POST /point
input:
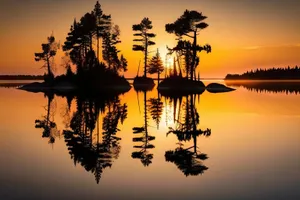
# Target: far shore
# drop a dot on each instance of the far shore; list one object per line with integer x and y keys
{"x": 14, "y": 78}
{"x": 263, "y": 80}
{"x": 41, "y": 78}
{"x": 21, "y": 77}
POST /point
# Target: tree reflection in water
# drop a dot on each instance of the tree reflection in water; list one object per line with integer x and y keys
{"x": 95, "y": 148}
{"x": 144, "y": 138}
{"x": 155, "y": 106}
{"x": 95, "y": 155}
{"x": 47, "y": 121}
{"x": 189, "y": 160}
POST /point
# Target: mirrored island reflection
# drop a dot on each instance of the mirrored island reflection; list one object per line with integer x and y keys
{"x": 92, "y": 124}
{"x": 47, "y": 122}
{"x": 92, "y": 145}
{"x": 269, "y": 86}
{"x": 142, "y": 138}
{"x": 84, "y": 144}
{"x": 188, "y": 159}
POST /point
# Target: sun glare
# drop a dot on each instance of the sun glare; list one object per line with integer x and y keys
{"x": 166, "y": 59}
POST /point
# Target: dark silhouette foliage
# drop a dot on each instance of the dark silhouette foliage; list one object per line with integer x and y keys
{"x": 143, "y": 153}
{"x": 187, "y": 121}
{"x": 47, "y": 122}
{"x": 287, "y": 73}
{"x": 80, "y": 54}
{"x": 184, "y": 52}
{"x": 21, "y": 77}
{"x": 155, "y": 106}
{"x": 95, "y": 155}
{"x": 145, "y": 38}
{"x": 156, "y": 65}
{"x": 90, "y": 72}
{"x": 49, "y": 50}
{"x": 110, "y": 51}
{"x": 189, "y": 24}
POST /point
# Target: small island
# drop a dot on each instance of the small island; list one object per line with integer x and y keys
{"x": 87, "y": 70}
{"x": 182, "y": 79}
{"x": 143, "y": 38}
{"x": 91, "y": 74}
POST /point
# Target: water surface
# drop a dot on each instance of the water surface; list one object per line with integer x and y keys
{"x": 89, "y": 150}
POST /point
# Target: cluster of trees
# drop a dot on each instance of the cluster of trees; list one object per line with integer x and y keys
{"x": 186, "y": 28}
{"x": 95, "y": 26}
{"x": 82, "y": 132}
{"x": 268, "y": 74}
{"x": 96, "y": 145}
{"x": 143, "y": 40}
{"x": 188, "y": 25}
{"x": 80, "y": 50}
{"x": 83, "y": 138}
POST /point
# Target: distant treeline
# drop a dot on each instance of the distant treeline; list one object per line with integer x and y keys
{"x": 21, "y": 77}
{"x": 268, "y": 74}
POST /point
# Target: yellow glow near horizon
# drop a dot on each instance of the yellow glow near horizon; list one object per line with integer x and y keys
{"x": 167, "y": 60}
{"x": 232, "y": 46}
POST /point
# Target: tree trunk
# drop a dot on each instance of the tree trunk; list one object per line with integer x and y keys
{"x": 187, "y": 64}
{"x": 48, "y": 66}
{"x": 91, "y": 42}
{"x": 85, "y": 50}
{"x": 194, "y": 55}
{"x": 179, "y": 66}
{"x": 98, "y": 48}
{"x": 146, "y": 55}
{"x": 195, "y": 143}
{"x": 145, "y": 113}
{"x": 98, "y": 42}
{"x": 48, "y": 113}
{"x": 158, "y": 77}
{"x": 91, "y": 115}
{"x": 187, "y": 113}
{"x": 98, "y": 118}
{"x": 194, "y": 128}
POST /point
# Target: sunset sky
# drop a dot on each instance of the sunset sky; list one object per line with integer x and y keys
{"x": 244, "y": 34}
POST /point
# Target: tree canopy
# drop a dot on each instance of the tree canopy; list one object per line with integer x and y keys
{"x": 49, "y": 50}
{"x": 156, "y": 65}
{"x": 95, "y": 25}
{"x": 188, "y": 25}
{"x": 143, "y": 36}
{"x": 189, "y": 22}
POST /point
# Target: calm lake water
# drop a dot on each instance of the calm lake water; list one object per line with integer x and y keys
{"x": 243, "y": 144}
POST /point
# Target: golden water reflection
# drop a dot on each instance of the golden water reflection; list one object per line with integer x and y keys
{"x": 247, "y": 139}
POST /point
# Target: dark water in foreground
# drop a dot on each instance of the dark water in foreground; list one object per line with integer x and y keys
{"x": 239, "y": 145}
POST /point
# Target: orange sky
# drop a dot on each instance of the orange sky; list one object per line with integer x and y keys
{"x": 244, "y": 34}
